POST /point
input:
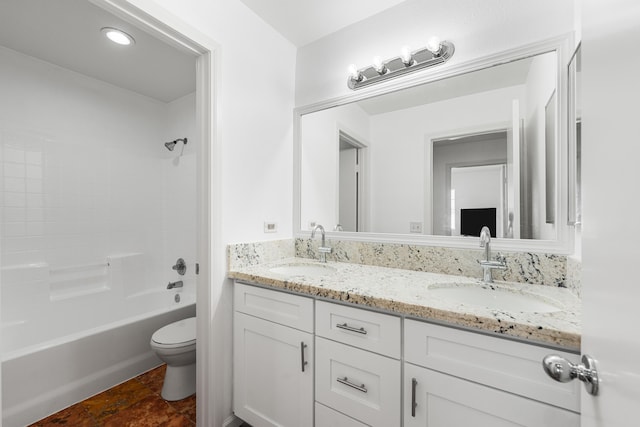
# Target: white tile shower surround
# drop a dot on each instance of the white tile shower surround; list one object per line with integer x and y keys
{"x": 85, "y": 176}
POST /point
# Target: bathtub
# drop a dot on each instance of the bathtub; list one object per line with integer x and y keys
{"x": 78, "y": 344}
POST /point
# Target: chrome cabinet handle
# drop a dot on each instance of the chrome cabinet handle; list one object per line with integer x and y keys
{"x": 302, "y": 361}
{"x": 414, "y": 384}
{"x": 351, "y": 328}
{"x": 560, "y": 369}
{"x": 346, "y": 382}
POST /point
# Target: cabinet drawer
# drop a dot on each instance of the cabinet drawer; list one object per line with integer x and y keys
{"x": 327, "y": 417}
{"x": 501, "y": 363}
{"x": 280, "y": 307}
{"x": 360, "y": 384}
{"x": 369, "y": 330}
{"x": 443, "y": 401}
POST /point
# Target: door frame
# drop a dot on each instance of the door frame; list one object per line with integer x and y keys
{"x": 210, "y": 253}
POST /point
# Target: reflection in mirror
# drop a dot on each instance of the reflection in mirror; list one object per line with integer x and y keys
{"x": 349, "y": 183}
{"x": 437, "y": 157}
{"x": 469, "y": 177}
{"x": 550, "y": 157}
{"x": 575, "y": 133}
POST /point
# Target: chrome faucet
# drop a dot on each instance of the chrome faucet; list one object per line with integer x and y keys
{"x": 487, "y": 264}
{"x": 324, "y": 250}
{"x": 177, "y": 284}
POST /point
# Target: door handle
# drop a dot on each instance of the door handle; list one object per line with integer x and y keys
{"x": 302, "y": 361}
{"x": 346, "y": 382}
{"x": 351, "y": 328}
{"x": 562, "y": 370}
{"x": 414, "y": 384}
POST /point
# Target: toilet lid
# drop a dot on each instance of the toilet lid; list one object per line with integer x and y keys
{"x": 180, "y": 332}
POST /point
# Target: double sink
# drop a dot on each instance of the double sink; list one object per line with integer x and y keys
{"x": 493, "y": 296}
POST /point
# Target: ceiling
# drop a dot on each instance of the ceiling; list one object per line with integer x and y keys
{"x": 67, "y": 33}
{"x": 305, "y": 21}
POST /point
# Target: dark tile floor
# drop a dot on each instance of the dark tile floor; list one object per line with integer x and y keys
{"x": 135, "y": 403}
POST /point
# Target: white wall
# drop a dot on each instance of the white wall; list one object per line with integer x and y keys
{"x": 320, "y": 155}
{"x": 256, "y": 80}
{"x": 477, "y": 29}
{"x": 466, "y": 182}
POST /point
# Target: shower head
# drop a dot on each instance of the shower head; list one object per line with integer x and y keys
{"x": 172, "y": 144}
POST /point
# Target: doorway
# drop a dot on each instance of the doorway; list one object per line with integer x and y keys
{"x": 350, "y": 183}
{"x": 470, "y": 172}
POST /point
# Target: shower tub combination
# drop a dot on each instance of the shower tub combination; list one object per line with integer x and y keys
{"x": 70, "y": 333}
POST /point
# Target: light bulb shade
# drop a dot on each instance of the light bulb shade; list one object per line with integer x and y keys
{"x": 378, "y": 65}
{"x": 406, "y": 55}
{"x": 434, "y": 45}
{"x": 117, "y": 36}
{"x": 353, "y": 72}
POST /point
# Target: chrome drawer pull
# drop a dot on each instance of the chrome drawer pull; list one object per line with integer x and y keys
{"x": 302, "y": 361}
{"x": 414, "y": 383}
{"x": 351, "y": 328}
{"x": 346, "y": 381}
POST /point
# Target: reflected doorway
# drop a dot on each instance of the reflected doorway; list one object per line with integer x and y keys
{"x": 471, "y": 178}
{"x": 350, "y": 180}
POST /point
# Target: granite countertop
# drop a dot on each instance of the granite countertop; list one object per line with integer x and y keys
{"x": 415, "y": 294}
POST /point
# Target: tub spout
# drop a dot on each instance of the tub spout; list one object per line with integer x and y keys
{"x": 177, "y": 284}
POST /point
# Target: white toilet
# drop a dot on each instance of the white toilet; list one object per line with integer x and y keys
{"x": 175, "y": 344}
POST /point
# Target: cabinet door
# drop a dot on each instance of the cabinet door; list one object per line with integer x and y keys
{"x": 445, "y": 401}
{"x": 273, "y": 373}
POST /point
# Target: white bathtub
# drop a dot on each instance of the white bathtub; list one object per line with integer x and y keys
{"x": 59, "y": 353}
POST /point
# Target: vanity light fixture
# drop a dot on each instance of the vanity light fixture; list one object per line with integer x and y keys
{"x": 118, "y": 36}
{"x": 436, "y": 52}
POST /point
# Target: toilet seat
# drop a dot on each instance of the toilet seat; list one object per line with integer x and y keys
{"x": 176, "y": 335}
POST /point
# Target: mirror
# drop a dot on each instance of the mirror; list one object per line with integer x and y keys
{"x": 440, "y": 158}
{"x": 574, "y": 133}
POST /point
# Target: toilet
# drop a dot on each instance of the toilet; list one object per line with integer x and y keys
{"x": 175, "y": 344}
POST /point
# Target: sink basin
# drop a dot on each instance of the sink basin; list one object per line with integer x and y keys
{"x": 303, "y": 270}
{"x": 495, "y": 298}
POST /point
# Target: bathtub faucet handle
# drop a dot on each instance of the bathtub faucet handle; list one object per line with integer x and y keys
{"x": 180, "y": 267}
{"x": 177, "y": 284}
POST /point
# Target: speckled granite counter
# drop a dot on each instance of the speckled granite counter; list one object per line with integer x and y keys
{"x": 415, "y": 294}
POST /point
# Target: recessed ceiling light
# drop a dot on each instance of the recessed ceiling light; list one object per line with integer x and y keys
{"x": 118, "y": 36}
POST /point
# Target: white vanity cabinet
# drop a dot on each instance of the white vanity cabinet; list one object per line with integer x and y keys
{"x": 454, "y": 377}
{"x": 358, "y": 367}
{"x": 273, "y": 357}
{"x": 301, "y": 362}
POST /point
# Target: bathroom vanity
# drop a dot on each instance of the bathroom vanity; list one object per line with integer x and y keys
{"x": 349, "y": 345}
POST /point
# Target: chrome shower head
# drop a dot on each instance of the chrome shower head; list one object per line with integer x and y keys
{"x": 172, "y": 144}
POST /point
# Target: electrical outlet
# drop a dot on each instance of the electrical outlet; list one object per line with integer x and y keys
{"x": 270, "y": 227}
{"x": 415, "y": 227}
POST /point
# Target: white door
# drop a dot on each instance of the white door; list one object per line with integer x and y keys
{"x": 611, "y": 208}
{"x": 348, "y": 189}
